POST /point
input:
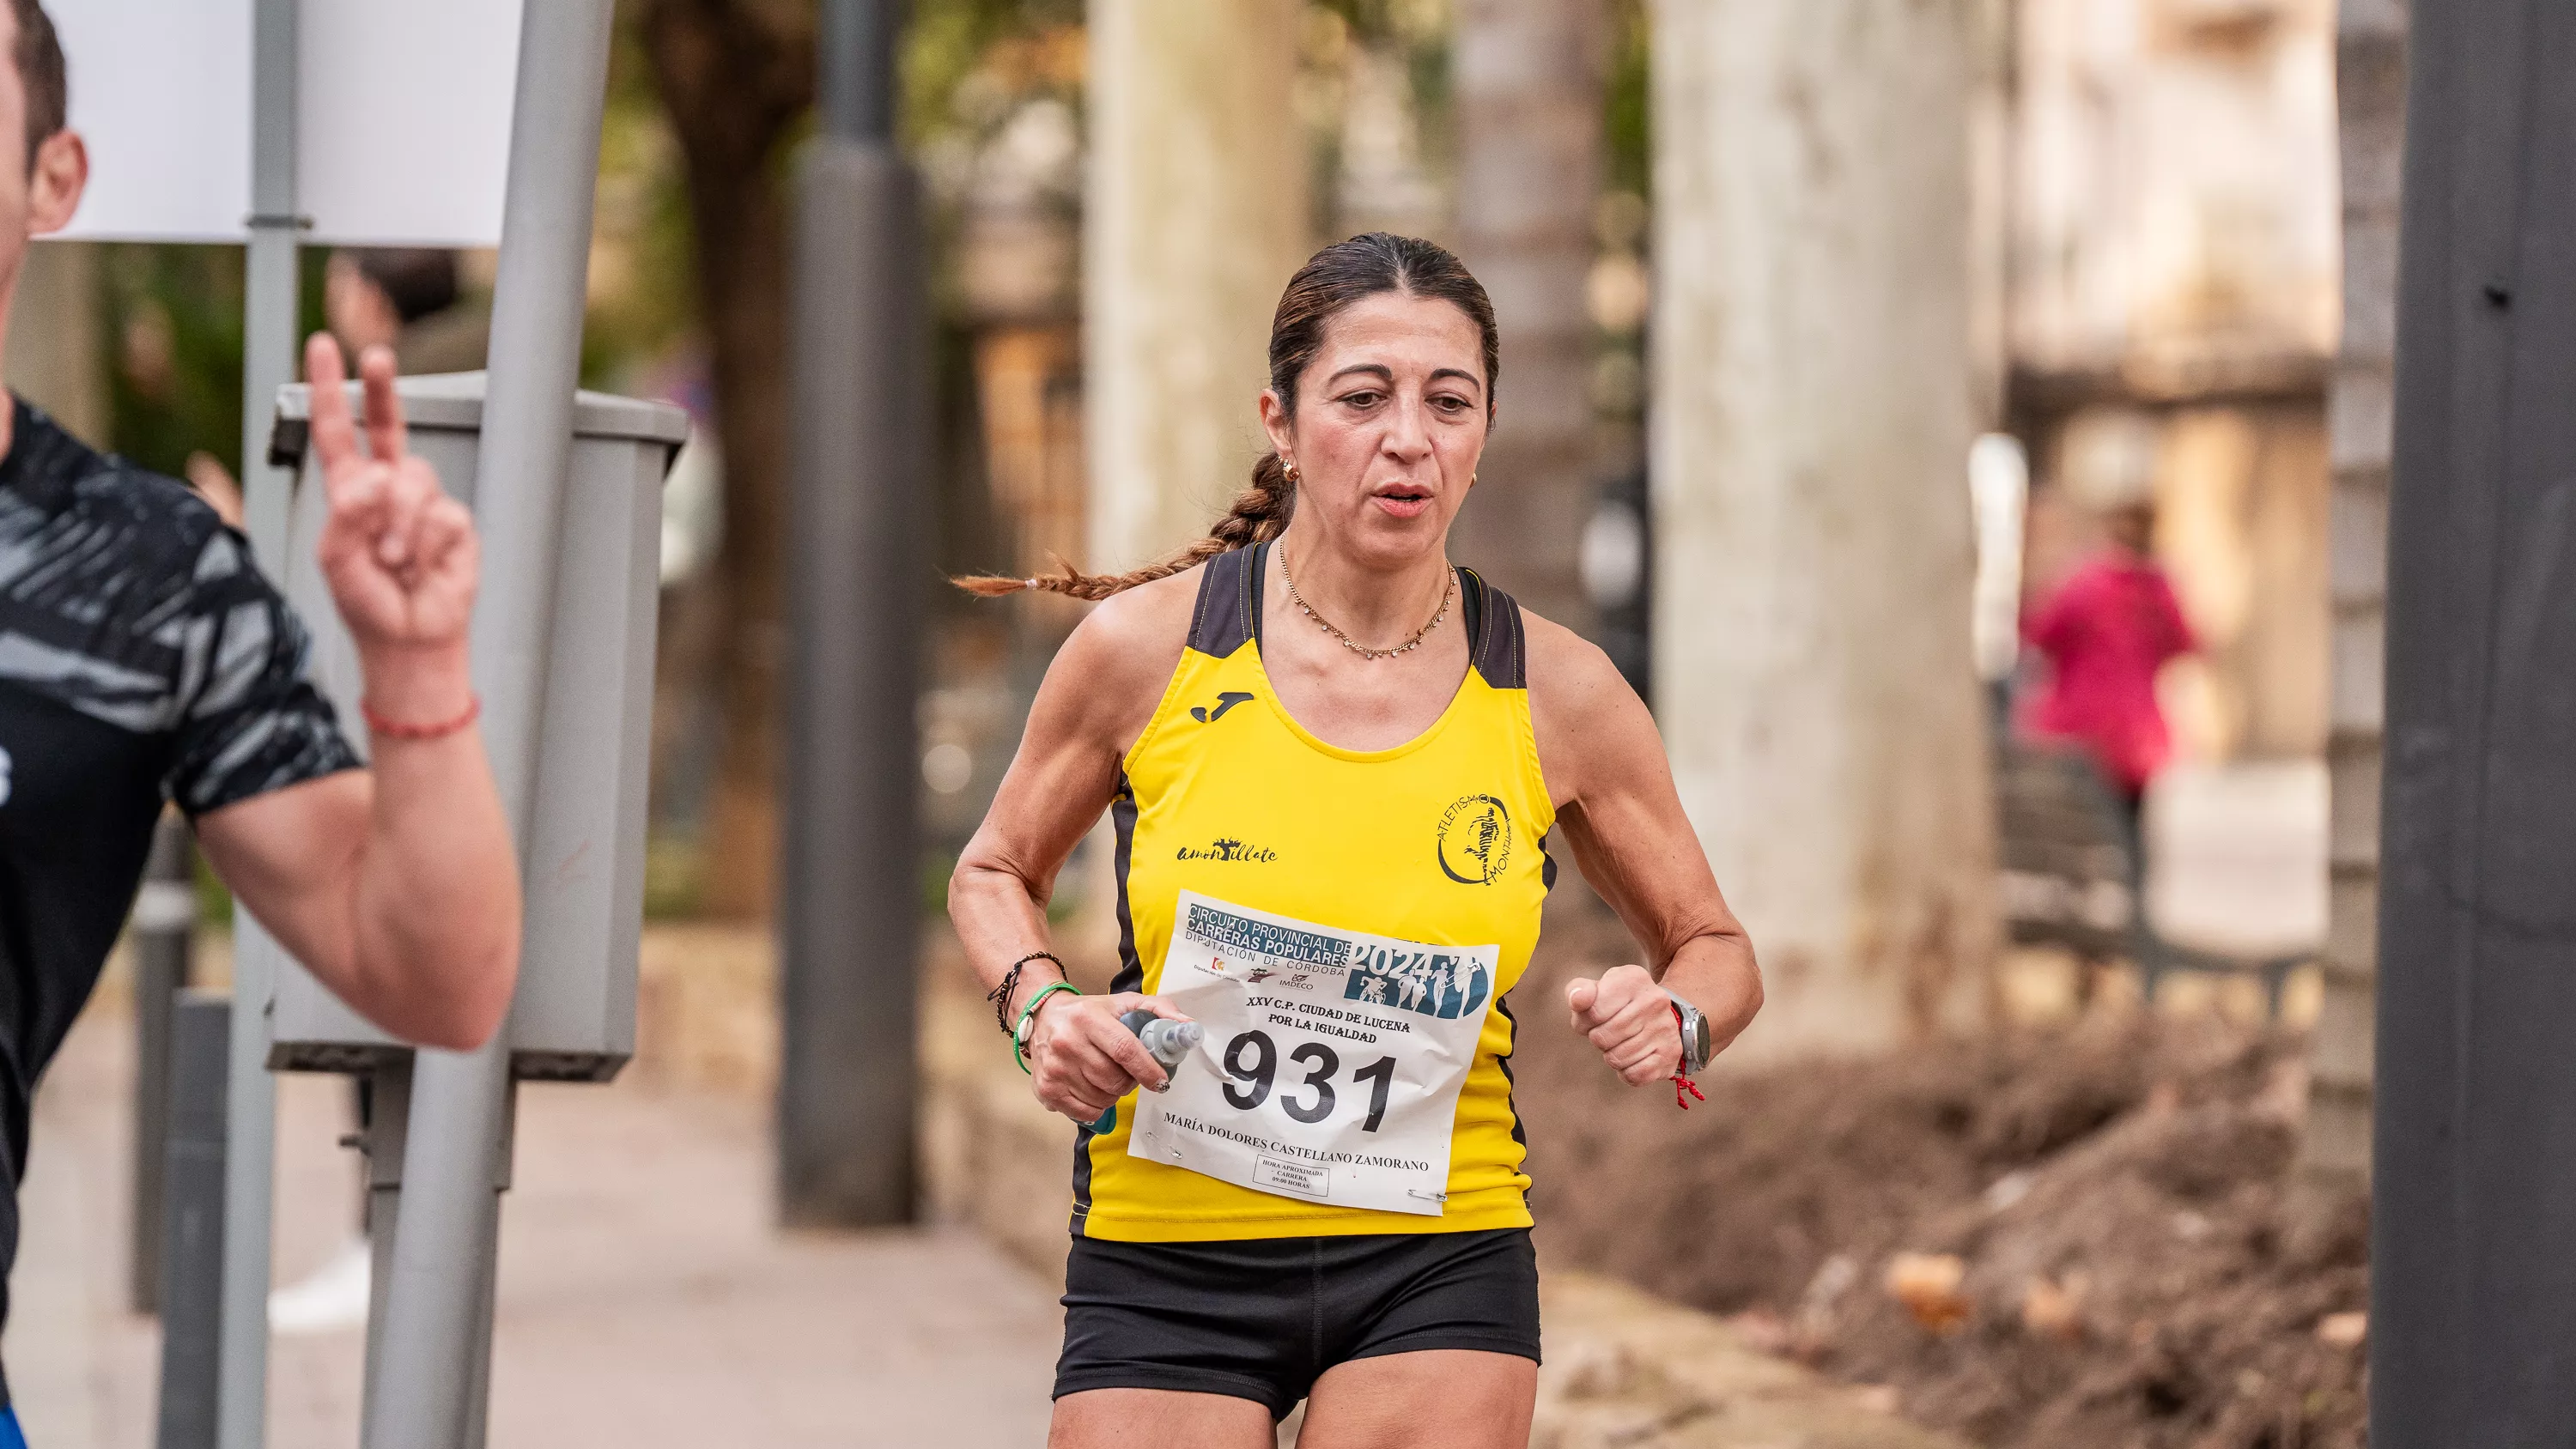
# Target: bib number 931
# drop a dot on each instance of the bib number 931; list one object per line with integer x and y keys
{"x": 1252, "y": 1059}
{"x": 1333, "y": 1059}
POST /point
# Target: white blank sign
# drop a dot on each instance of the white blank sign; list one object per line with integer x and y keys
{"x": 403, "y": 118}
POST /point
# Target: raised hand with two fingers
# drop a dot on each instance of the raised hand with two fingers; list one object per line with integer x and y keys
{"x": 400, "y": 556}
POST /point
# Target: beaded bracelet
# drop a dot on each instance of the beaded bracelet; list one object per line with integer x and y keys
{"x": 1028, "y": 1014}
{"x": 1001, "y": 995}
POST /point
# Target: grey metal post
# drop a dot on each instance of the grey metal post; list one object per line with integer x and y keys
{"x": 2473, "y": 1224}
{"x": 193, "y": 1228}
{"x": 445, "y": 1243}
{"x": 269, "y": 326}
{"x": 857, "y": 573}
{"x": 165, "y": 915}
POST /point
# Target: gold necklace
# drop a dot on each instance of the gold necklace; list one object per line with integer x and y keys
{"x": 1447, "y": 593}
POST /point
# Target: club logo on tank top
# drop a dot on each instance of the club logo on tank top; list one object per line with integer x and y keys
{"x": 1475, "y": 840}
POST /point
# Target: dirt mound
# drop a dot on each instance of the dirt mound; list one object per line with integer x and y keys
{"x": 2093, "y": 1215}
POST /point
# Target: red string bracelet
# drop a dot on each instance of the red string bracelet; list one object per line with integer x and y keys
{"x": 397, "y": 729}
{"x": 1681, "y": 1081}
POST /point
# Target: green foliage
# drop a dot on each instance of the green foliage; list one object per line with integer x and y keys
{"x": 643, "y": 299}
{"x": 1628, "y": 113}
{"x": 172, "y": 320}
{"x": 950, "y": 41}
{"x": 675, "y": 876}
{"x": 1408, "y": 22}
{"x": 214, "y": 902}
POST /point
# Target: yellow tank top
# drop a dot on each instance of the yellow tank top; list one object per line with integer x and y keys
{"x": 1437, "y": 841}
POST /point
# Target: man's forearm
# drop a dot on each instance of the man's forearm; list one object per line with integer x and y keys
{"x": 438, "y": 884}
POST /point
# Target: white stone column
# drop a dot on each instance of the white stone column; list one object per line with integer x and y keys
{"x": 1812, "y": 416}
{"x": 1195, "y": 215}
{"x": 2334, "y": 1157}
{"x": 1527, "y": 82}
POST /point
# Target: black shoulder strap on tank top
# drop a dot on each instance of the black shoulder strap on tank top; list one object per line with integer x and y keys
{"x": 1496, "y": 646}
{"x": 1229, "y": 613}
{"x": 1229, "y": 609}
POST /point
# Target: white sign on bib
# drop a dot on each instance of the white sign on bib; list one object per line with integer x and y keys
{"x": 1332, "y": 1063}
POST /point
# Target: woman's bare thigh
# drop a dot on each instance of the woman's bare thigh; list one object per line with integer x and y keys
{"x": 1441, "y": 1398}
{"x": 1158, "y": 1419}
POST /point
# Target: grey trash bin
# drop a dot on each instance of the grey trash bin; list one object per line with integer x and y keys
{"x": 574, "y": 1017}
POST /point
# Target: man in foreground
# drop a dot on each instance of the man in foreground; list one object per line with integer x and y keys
{"x": 143, "y": 657}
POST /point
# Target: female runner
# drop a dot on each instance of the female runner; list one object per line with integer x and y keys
{"x": 1335, "y": 762}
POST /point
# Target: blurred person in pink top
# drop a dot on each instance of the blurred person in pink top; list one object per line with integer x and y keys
{"x": 2106, "y": 631}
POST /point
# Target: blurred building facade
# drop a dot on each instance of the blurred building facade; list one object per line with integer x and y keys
{"x": 2172, "y": 257}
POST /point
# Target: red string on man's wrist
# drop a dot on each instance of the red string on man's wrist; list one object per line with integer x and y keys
{"x": 1683, "y": 1084}
{"x": 438, "y": 729}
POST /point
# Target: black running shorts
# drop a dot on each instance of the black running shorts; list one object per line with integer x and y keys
{"x": 1262, "y": 1318}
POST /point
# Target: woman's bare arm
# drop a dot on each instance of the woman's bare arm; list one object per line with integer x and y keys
{"x": 1097, "y": 698}
{"x": 1613, "y": 788}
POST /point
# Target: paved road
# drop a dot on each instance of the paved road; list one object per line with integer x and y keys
{"x": 645, "y": 1300}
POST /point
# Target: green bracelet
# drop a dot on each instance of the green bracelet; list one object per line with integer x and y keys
{"x": 1028, "y": 1014}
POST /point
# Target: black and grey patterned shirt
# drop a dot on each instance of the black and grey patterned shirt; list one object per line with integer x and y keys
{"x": 142, "y": 658}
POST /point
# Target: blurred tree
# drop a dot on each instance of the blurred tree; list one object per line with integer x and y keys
{"x": 737, "y": 80}
{"x": 171, "y": 325}
{"x": 1812, "y": 422}
{"x": 1195, "y": 215}
{"x": 173, "y": 328}
{"x": 1627, "y": 102}
{"x": 1529, "y": 118}
{"x": 643, "y": 309}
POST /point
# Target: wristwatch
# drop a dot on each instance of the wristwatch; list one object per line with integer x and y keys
{"x": 1695, "y": 1041}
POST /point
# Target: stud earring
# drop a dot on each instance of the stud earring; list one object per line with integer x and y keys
{"x": 1290, "y": 469}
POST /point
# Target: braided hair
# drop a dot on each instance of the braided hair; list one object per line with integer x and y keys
{"x": 1333, "y": 279}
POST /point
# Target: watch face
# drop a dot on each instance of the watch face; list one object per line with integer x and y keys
{"x": 1699, "y": 1036}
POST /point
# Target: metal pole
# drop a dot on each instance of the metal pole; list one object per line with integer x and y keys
{"x": 270, "y": 320}
{"x": 445, "y": 1241}
{"x": 851, "y": 895}
{"x": 165, "y": 914}
{"x": 193, "y": 1229}
{"x": 269, "y": 326}
{"x": 2473, "y": 1220}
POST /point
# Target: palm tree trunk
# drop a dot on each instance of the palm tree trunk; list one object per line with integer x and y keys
{"x": 1529, "y": 126}
{"x": 1812, "y": 414}
{"x": 1195, "y": 217}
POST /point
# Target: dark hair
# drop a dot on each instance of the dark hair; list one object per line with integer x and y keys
{"x": 1332, "y": 280}
{"x": 418, "y": 281}
{"x": 38, "y": 55}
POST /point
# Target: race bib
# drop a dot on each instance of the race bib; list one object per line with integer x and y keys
{"x": 1332, "y": 1062}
